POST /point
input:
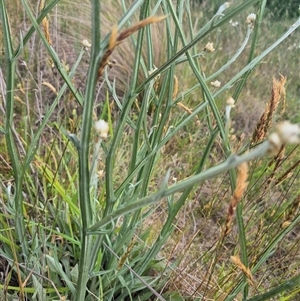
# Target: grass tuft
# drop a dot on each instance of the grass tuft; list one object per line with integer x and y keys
{"x": 117, "y": 159}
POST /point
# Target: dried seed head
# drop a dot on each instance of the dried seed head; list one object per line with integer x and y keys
{"x": 209, "y": 47}
{"x": 101, "y": 128}
{"x": 216, "y": 84}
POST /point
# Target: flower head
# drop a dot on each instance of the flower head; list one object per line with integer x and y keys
{"x": 288, "y": 132}
{"x": 101, "y": 128}
{"x": 230, "y": 102}
{"x": 251, "y": 19}
{"x": 209, "y": 47}
{"x": 216, "y": 84}
{"x": 86, "y": 44}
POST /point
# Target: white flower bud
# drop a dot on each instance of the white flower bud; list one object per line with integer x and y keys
{"x": 101, "y": 128}
{"x": 85, "y": 43}
{"x": 230, "y": 102}
{"x": 288, "y": 132}
{"x": 250, "y": 19}
{"x": 209, "y": 47}
{"x": 216, "y": 84}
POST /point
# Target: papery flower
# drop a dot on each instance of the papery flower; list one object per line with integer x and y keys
{"x": 250, "y": 18}
{"x": 230, "y": 102}
{"x": 209, "y": 47}
{"x": 216, "y": 84}
{"x": 285, "y": 133}
{"x": 288, "y": 132}
{"x": 101, "y": 128}
{"x": 85, "y": 43}
{"x": 229, "y": 105}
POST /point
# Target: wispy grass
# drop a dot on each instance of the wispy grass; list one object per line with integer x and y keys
{"x": 147, "y": 205}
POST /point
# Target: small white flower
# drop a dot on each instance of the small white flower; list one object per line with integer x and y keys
{"x": 288, "y": 132}
{"x": 229, "y": 105}
{"x": 209, "y": 47}
{"x": 101, "y": 128}
{"x": 230, "y": 102}
{"x": 251, "y": 19}
{"x": 85, "y": 43}
{"x": 216, "y": 84}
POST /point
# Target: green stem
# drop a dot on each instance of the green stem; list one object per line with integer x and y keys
{"x": 83, "y": 153}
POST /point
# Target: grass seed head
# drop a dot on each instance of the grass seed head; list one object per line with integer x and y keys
{"x": 238, "y": 263}
{"x": 241, "y": 186}
{"x": 116, "y": 39}
{"x": 265, "y": 121}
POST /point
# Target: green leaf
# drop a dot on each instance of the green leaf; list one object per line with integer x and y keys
{"x": 55, "y": 266}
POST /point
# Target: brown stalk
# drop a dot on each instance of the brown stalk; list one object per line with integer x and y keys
{"x": 241, "y": 185}
{"x": 265, "y": 121}
{"x": 116, "y": 39}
